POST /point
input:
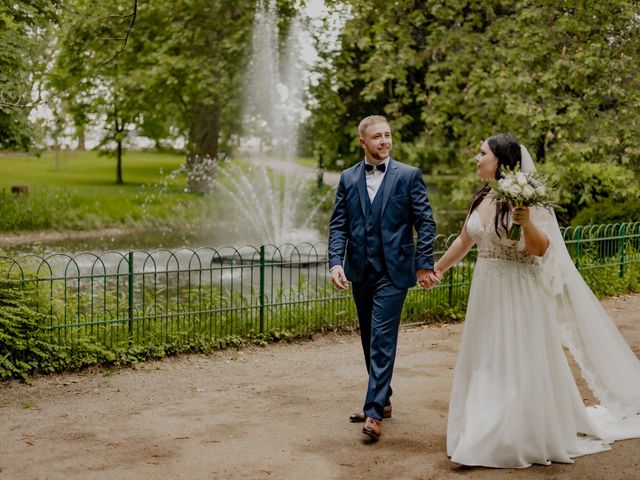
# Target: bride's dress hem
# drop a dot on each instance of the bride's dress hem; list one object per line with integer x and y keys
{"x": 597, "y": 446}
{"x": 518, "y": 467}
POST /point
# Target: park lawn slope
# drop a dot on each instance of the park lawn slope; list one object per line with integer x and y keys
{"x": 77, "y": 191}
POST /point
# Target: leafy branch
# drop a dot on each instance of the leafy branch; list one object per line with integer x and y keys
{"x": 17, "y": 104}
{"x": 133, "y": 15}
{"x": 124, "y": 39}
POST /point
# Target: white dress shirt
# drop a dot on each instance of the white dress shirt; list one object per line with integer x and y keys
{"x": 374, "y": 179}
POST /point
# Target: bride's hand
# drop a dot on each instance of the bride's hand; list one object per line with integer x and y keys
{"x": 521, "y": 216}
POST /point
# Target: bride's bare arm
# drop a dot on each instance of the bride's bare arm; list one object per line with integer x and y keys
{"x": 456, "y": 252}
{"x": 534, "y": 239}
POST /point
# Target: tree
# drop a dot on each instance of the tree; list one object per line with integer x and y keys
{"x": 91, "y": 72}
{"x": 181, "y": 72}
{"x": 191, "y": 56}
{"x": 562, "y": 76}
{"x": 23, "y": 41}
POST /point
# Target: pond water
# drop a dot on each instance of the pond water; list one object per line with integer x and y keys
{"x": 125, "y": 242}
{"x": 217, "y": 237}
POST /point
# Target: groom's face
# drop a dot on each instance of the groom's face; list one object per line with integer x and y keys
{"x": 377, "y": 142}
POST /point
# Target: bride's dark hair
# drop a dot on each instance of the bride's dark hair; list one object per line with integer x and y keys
{"x": 507, "y": 150}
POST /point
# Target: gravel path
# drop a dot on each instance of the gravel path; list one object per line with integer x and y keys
{"x": 275, "y": 412}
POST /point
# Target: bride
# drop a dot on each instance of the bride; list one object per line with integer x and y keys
{"x": 514, "y": 401}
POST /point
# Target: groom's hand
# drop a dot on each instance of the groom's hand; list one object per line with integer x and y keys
{"x": 338, "y": 278}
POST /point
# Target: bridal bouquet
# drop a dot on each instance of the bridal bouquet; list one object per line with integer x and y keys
{"x": 521, "y": 189}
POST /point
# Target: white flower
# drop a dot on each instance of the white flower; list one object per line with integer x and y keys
{"x": 515, "y": 190}
{"x": 541, "y": 190}
{"x": 506, "y": 182}
{"x": 521, "y": 178}
{"x": 534, "y": 182}
{"x": 528, "y": 191}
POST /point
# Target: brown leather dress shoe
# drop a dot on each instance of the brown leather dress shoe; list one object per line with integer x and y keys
{"x": 360, "y": 417}
{"x": 372, "y": 428}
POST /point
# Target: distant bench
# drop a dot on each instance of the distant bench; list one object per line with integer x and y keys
{"x": 19, "y": 189}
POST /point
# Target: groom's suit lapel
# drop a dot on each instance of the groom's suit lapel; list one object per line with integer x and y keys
{"x": 361, "y": 183}
{"x": 390, "y": 181}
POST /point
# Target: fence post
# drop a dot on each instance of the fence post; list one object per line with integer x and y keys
{"x": 131, "y": 280}
{"x": 623, "y": 233}
{"x": 261, "y": 299}
{"x": 451, "y": 271}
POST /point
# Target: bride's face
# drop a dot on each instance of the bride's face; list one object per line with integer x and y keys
{"x": 486, "y": 163}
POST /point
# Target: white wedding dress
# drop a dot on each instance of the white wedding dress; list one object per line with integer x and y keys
{"x": 514, "y": 401}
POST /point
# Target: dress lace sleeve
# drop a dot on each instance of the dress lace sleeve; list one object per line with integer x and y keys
{"x": 556, "y": 254}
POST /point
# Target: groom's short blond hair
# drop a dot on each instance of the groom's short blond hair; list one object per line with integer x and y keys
{"x": 368, "y": 121}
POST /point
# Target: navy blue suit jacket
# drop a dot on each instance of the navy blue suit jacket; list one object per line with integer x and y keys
{"x": 405, "y": 206}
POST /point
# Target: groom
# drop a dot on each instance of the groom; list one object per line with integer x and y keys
{"x": 378, "y": 204}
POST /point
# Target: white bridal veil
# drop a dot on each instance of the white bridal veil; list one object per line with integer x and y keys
{"x": 609, "y": 366}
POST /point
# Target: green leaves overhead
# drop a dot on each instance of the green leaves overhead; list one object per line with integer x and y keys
{"x": 23, "y": 41}
{"x": 561, "y": 76}
{"x": 180, "y": 73}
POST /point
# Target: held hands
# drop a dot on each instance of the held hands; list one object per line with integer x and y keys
{"x": 426, "y": 278}
{"x": 429, "y": 278}
{"x": 338, "y": 278}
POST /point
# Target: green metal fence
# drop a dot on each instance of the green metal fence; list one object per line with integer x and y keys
{"x": 191, "y": 296}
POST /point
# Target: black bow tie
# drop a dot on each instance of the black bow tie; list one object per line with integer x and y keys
{"x": 369, "y": 168}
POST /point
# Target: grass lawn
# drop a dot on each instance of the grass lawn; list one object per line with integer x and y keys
{"x": 81, "y": 169}
{"x": 77, "y": 191}
{"x": 310, "y": 162}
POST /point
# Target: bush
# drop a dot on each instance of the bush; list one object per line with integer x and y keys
{"x": 583, "y": 185}
{"x": 33, "y": 211}
{"x": 608, "y": 211}
{"x": 22, "y": 347}
{"x": 604, "y": 275}
{"x": 82, "y": 209}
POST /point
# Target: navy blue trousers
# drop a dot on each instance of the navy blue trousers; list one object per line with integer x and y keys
{"x": 379, "y": 305}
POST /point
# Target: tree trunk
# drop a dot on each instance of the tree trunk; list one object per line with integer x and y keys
{"x": 56, "y": 148}
{"x": 203, "y": 148}
{"x": 541, "y": 150}
{"x": 119, "y": 128}
{"x": 81, "y": 140}
{"x": 119, "y": 163}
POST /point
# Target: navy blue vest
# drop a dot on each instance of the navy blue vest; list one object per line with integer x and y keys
{"x": 373, "y": 215}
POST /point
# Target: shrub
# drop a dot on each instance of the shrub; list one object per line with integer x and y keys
{"x": 608, "y": 211}
{"x": 22, "y": 347}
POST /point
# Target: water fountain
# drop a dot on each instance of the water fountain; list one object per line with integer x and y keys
{"x": 269, "y": 209}
{"x": 273, "y": 210}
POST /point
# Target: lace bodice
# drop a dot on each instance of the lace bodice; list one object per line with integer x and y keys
{"x": 490, "y": 245}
